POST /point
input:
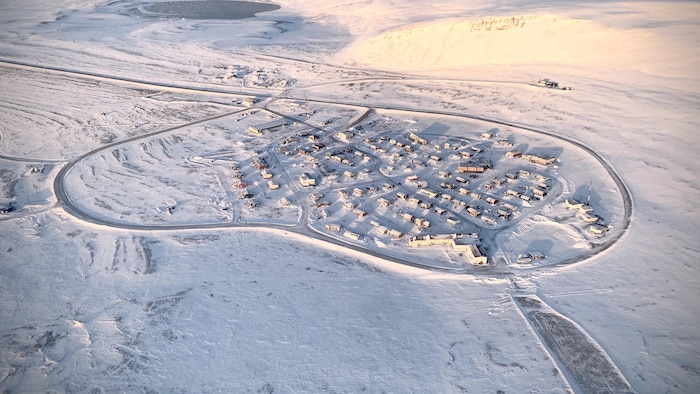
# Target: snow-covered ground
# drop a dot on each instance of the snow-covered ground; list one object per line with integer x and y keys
{"x": 90, "y": 308}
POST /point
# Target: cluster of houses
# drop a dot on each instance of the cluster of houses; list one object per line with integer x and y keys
{"x": 447, "y": 208}
{"x": 380, "y": 229}
{"x": 596, "y": 225}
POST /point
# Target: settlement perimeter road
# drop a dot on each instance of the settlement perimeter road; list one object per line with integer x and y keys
{"x": 302, "y": 228}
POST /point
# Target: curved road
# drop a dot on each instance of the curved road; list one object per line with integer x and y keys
{"x": 302, "y": 228}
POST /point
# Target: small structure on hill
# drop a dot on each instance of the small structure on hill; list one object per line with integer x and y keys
{"x": 548, "y": 83}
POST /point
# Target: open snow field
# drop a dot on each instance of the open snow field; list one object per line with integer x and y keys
{"x": 117, "y": 118}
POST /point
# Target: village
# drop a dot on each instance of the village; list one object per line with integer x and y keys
{"x": 389, "y": 186}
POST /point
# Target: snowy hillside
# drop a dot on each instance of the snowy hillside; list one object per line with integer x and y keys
{"x": 129, "y": 262}
{"x": 534, "y": 40}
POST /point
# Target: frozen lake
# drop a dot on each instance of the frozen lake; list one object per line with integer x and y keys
{"x": 209, "y": 9}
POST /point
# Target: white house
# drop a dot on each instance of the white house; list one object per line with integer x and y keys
{"x": 269, "y": 126}
{"x": 306, "y": 180}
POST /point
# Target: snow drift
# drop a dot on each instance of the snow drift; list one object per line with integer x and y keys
{"x": 527, "y": 39}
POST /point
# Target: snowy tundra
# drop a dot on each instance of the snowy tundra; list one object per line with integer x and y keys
{"x": 90, "y": 307}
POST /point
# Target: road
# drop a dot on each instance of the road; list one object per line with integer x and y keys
{"x": 72, "y": 208}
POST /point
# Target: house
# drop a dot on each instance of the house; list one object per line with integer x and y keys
{"x": 537, "y": 255}
{"x": 585, "y": 209}
{"x": 511, "y": 192}
{"x": 344, "y": 136}
{"x": 453, "y": 221}
{"x": 428, "y": 192}
{"x": 475, "y": 255}
{"x": 473, "y": 211}
{"x": 523, "y": 258}
{"x": 306, "y": 180}
{"x": 502, "y": 213}
{"x": 351, "y": 235}
{"x": 260, "y": 163}
{"x": 513, "y": 153}
{"x": 269, "y": 126}
{"x": 491, "y": 200}
{"x": 572, "y": 204}
{"x": 597, "y": 229}
{"x": 395, "y": 234}
{"x": 360, "y": 213}
{"x": 500, "y": 181}
{"x": 272, "y": 185}
{"x": 504, "y": 143}
{"x": 510, "y": 207}
{"x": 431, "y": 240}
{"x": 541, "y": 178}
{"x": 489, "y": 219}
{"x": 471, "y": 167}
{"x": 332, "y": 227}
{"x": 417, "y": 139}
{"x": 590, "y": 218}
{"x": 421, "y": 223}
{"x": 381, "y": 230}
{"x": 543, "y": 160}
